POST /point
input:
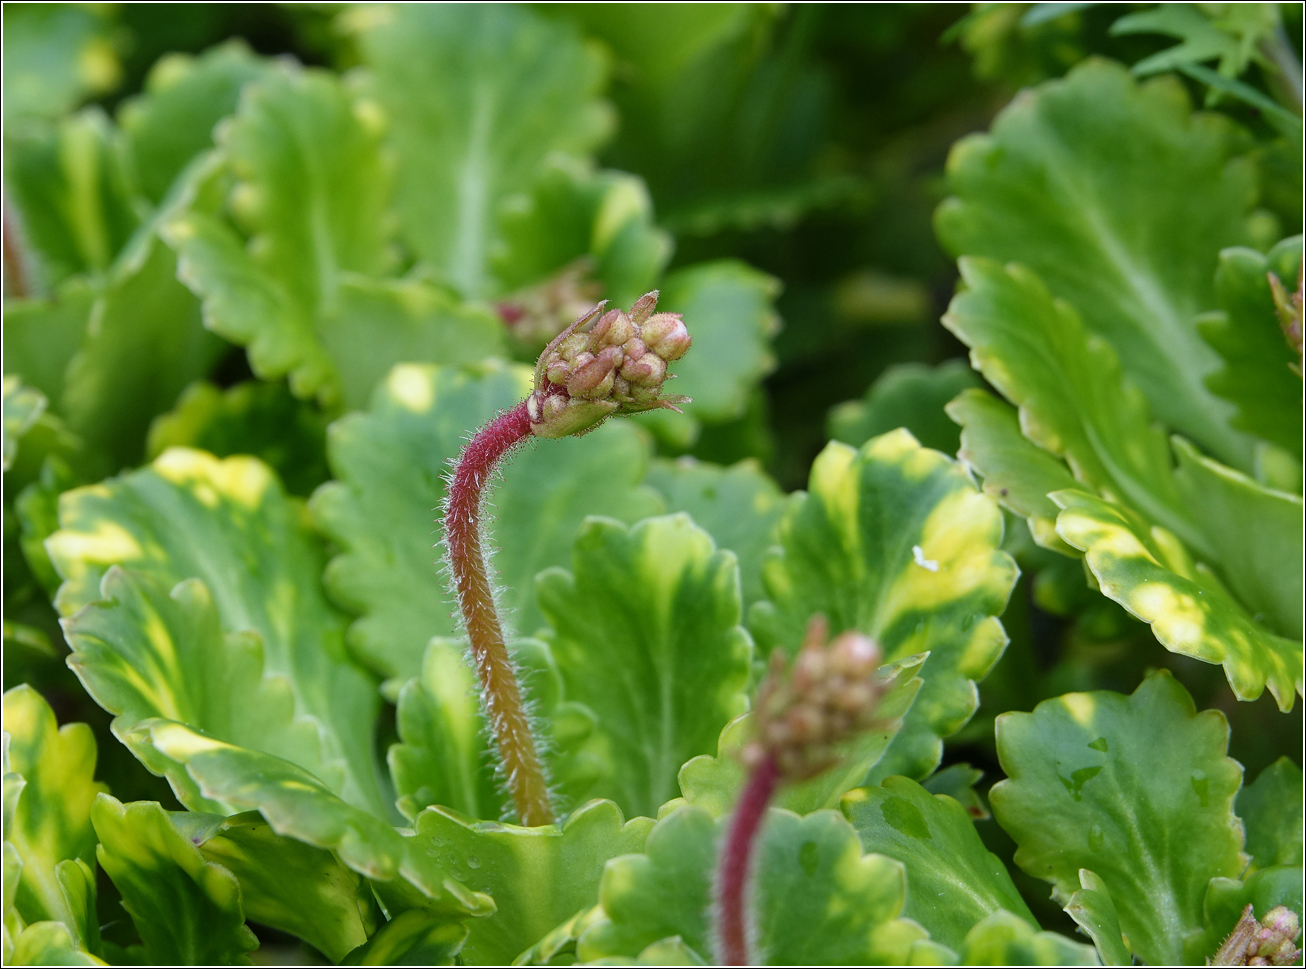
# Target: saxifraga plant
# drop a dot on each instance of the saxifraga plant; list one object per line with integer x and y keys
{"x": 601, "y": 365}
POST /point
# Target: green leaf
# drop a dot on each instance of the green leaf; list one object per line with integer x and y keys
{"x": 1226, "y": 899}
{"x": 297, "y": 805}
{"x": 146, "y": 651}
{"x": 1245, "y": 332}
{"x": 56, "y": 55}
{"x": 253, "y": 417}
{"x": 1271, "y": 810}
{"x": 953, "y": 881}
{"x": 477, "y": 98}
{"x": 817, "y": 899}
{"x": 1151, "y": 574}
{"x": 1230, "y": 37}
{"x": 894, "y": 540}
{"x": 49, "y": 944}
{"x": 382, "y": 511}
{"x": 909, "y": 395}
{"x": 1137, "y": 789}
{"x": 289, "y": 885}
{"x": 23, "y": 407}
{"x": 536, "y": 876}
{"x": 41, "y": 335}
{"x": 1005, "y": 939}
{"x": 229, "y": 524}
{"x": 1115, "y": 232}
{"x": 713, "y": 783}
{"x": 739, "y": 507}
{"x": 1016, "y": 472}
{"x": 645, "y": 631}
{"x": 51, "y": 820}
{"x": 412, "y": 938}
{"x": 187, "y": 910}
{"x": 173, "y": 120}
{"x": 1095, "y": 913}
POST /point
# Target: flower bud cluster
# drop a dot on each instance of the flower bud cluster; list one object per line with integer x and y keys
{"x": 828, "y": 696}
{"x": 538, "y": 314}
{"x": 1270, "y": 942}
{"x": 606, "y": 363}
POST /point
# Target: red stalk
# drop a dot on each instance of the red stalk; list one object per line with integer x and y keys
{"x": 753, "y": 801}
{"x": 503, "y": 699}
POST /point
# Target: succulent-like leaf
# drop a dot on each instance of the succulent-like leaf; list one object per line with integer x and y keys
{"x": 1095, "y": 913}
{"x": 909, "y": 395}
{"x": 953, "y": 881}
{"x": 1271, "y": 811}
{"x": 50, "y": 821}
{"x": 739, "y": 507}
{"x": 536, "y": 876}
{"x": 477, "y": 98}
{"x": 895, "y": 540}
{"x": 1151, "y": 574}
{"x": 23, "y": 407}
{"x": 714, "y": 782}
{"x": 1115, "y": 232}
{"x": 229, "y": 524}
{"x": 1103, "y": 781}
{"x": 412, "y": 938}
{"x": 296, "y": 805}
{"x": 42, "y": 335}
{"x": 186, "y": 909}
{"x": 645, "y": 631}
{"x": 287, "y": 884}
{"x": 1006, "y": 939}
{"x": 391, "y": 465}
{"x": 54, "y": 57}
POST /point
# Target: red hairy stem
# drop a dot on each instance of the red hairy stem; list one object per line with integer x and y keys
{"x": 15, "y": 266}
{"x": 733, "y": 881}
{"x": 503, "y": 699}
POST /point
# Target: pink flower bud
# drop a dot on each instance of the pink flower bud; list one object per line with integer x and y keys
{"x": 593, "y": 378}
{"x": 648, "y": 371}
{"x": 666, "y": 335}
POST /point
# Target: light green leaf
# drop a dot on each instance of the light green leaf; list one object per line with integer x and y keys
{"x": 536, "y": 876}
{"x": 1016, "y": 472}
{"x": 296, "y": 805}
{"x": 1115, "y": 232}
{"x": 1095, "y": 913}
{"x": 1005, "y": 939}
{"x": 51, "y": 820}
{"x": 229, "y": 524}
{"x": 1150, "y": 573}
{"x": 953, "y": 881}
{"x": 287, "y": 884}
{"x": 187, "y": 910}
{"x": 49, "y": 944}
{"x": 1231, "y": 36}
{"x": 56, "y": 55}
{"x": 713, "y": 783}
{"x": 23, "y": 407}
{"x": 1104, "y": 782}
{"x": 41, "y": 335}
{"x": 477, "y": 98}
{"x": 1246, "y": 334}
{"x": 909, "y": 395}
{"x": 412, "y": 938}
{"x": 645, "y": 631}
{"x": 894, "y": 540}
{"x": 739, "y": 507}
{"x": 382, "y": 511}
{"x": 1271, "y": 810}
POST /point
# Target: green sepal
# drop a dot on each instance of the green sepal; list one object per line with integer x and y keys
{"x": 1271, "y": 811}
{"x": 1099, "y": 780}
{"x": 1095, "y": 913}
{"x": 895, "y": 540}
{"x": 910, "y": 395}
{"x": 412, "y": 938}
{"x": 1006, "y": 939}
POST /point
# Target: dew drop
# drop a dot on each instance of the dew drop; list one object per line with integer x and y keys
{"x": 1095, "y": 838}
{"x": 1201, "y": 786}
{"x": 473, "y": 862}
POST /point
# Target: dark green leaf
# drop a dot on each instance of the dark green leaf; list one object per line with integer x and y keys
{"x": 1271, "y": 810}
{"x": 909, "y": 395}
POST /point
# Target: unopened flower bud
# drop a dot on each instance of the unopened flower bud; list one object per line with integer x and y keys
{"x": 666, "y": 335}
{"x": 1270, "y": 942}
{"x": 649, "y": 370}
{"x": 592, "y": 379}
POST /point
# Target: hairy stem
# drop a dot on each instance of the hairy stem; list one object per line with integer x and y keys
{"x": 15, "y": 266}
{"x": 503, "y": 700}
{"x": 732, "y": 883}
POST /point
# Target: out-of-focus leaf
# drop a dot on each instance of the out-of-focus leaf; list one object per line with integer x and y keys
{"x": 254, "y": 417}
{"x": 645, "y": 630}
{"x": 1100, "y": 781}
{"x": 1246, "y": 334}
{"x": 173, "y": 120}
{"x": 739, "y": 507}
{"x": 1016, "y": 472}
{"x": 909, "y": 395}
{"x": 229, "y": 524}
{"x": 894, "y": 540}
{"x": 290, "y": 885}
{"x": 50, "y": 822}
{"x": 55, "y": 55}
{"x": 1230, "y": 36}
{"x": 1095, "y": 913}
{"x": 412, "y": 938}
{"x": 187, "y": 910}
{"x": 477, "y": 97}
{"x": 818, "y": 900}
{"x": 382, "y": 511}
{"x": 297, "y": 805}
{"x": 49, "y": 944}
{"x": 714, "y": 783}
{"x": 1271, "y": 811}
{"x": 23, "y": 407}
{"x": 1115, "y": 232}
{"x": 1006, "y": 939}
{"x": 536, "y": 876}
{"x": 953, "y": 881}
{"x": 41, "y": 335}
{"x": 1150, "y": 573}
